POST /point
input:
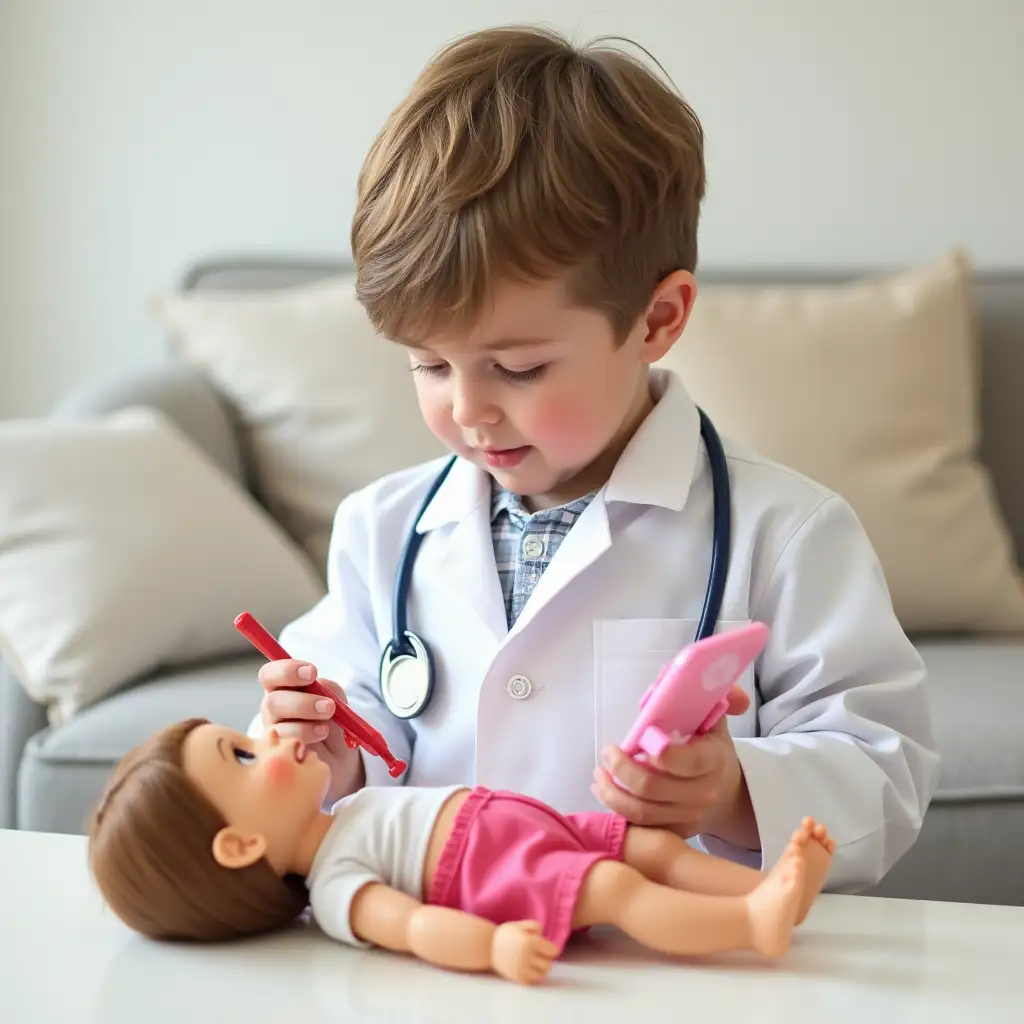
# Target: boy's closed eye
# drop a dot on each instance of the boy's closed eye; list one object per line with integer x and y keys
{"x": 512, "y": 376}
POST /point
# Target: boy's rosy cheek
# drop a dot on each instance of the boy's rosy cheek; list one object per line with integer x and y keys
{"x": 560, "y": 423}
{"x": 280, "y": 771}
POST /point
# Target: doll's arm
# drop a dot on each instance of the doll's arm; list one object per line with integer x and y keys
{"x": 450, "y": 938}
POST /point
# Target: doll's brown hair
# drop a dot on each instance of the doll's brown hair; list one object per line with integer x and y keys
{"x": 150, "y": 851}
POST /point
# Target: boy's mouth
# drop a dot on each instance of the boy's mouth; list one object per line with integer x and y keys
{"x": 505, "y": 458}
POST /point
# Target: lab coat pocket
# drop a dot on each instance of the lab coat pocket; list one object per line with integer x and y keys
{"x": 629, "y": 654}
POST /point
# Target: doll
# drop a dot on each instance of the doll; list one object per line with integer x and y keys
{"x": 205, "y": 834}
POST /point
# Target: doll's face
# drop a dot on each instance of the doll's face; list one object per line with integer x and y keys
{"x": 270, "y": 791}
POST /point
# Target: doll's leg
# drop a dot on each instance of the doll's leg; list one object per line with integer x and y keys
{"x": 694, "y": 924}
{"x": 665, "y": 857}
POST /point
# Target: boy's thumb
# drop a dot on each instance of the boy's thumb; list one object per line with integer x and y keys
{"x": 739, "y": 701}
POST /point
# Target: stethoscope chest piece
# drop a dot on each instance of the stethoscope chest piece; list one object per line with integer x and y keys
{"x": 406, "y": 679}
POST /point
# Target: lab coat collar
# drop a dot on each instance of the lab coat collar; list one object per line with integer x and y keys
{"x": 464, "y": 490}
{"x": 656, "y": 467}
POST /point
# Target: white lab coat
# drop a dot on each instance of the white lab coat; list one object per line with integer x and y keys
{"x": 839, "y": 725}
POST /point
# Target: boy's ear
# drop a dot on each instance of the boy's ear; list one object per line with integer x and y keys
{"x": 667, "y": 313}
{"x": 234, "y": 849}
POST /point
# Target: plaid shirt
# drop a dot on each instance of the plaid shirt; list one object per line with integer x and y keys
{"x": 524, "y": 544}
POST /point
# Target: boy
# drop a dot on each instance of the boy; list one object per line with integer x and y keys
{"x": 527, "y": 228}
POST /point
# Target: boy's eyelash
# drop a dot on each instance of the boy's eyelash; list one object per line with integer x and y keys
{"x": 522, "y": 376}
{"x": 427, "y": 371}
{"x": 247, "y": 757}
{"x": 512, "y": 376}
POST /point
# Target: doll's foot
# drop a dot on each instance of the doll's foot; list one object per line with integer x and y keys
{"x": 818, "y": 848}
{"x": 774, "y": 904}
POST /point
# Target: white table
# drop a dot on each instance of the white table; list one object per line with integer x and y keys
{"x": 869, "y": 961}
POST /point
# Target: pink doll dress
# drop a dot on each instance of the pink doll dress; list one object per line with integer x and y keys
{"x": 512, "y": 858}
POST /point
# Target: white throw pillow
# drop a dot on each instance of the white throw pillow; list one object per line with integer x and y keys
{"x": 871, "y": 388}
{"x": 123, "y": 550}
{"x": 327, "y": 405}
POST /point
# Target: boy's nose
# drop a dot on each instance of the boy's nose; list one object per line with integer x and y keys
{"x": 471, "y": 407}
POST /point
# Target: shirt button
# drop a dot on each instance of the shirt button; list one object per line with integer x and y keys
{"x": 519, "y": 687}
{"x": 533, "y": 546}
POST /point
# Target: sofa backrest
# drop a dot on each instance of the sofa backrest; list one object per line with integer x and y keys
{"x": 999, "y": 315}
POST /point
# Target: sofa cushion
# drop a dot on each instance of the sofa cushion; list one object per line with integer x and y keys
{"x": 968, "y": 849}
{"x": 975, "y": 694}
{"x": 872, "y": 388}
{"x": 65, "y": 769}
{"x": 125, "y": 550}
{"x": 326, "y": 405}
{"x": 178, "y": 391}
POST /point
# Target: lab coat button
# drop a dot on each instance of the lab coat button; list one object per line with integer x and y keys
{"x": 519, "y": 687}
{"x": 533, "y": 546}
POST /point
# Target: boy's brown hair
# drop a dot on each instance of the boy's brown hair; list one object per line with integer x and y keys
{"x": 519, "y": 156}
{"x": 150, "y": 852}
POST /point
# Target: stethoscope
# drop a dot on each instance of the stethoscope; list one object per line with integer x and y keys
{"x": 406, "y": 664}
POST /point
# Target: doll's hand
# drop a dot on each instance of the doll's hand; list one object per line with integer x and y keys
{"x": 519, "y": 952}
{"x": 307, "y": 717}
{"x": 690, "y": 788}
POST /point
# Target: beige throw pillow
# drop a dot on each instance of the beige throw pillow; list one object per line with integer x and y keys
{"x": 124, "y": 549}
{"x": 327, "y": 406}
{"x": 871, "y": 388}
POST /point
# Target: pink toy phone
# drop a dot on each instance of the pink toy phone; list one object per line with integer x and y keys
{"x": 690, "y": 694}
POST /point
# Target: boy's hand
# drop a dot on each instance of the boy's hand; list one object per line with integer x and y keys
{"x": 693, "y": 787}
{"x": 307, "y": 717}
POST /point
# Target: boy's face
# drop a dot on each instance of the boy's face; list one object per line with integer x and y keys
{"x": 538, "y": 393}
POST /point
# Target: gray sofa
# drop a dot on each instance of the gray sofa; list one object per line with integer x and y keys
{"x": 971, "y": 845}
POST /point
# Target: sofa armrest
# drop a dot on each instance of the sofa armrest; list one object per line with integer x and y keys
{"x": 182, "y": 394}
{"x": 20, "y": 719}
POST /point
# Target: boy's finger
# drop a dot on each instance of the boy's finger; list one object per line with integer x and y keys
{"x": 679, "y": 761}
{"x": 640, "y": 779}
{"x": 739, "y": 701}
{"x": 286, "y": 673}
{"x": 690, "y": 797}
{"x": 701, "y": 756}
{"x": 637, "y": 810}
{"x": 290, "y": 705}
{"x": 304, "y": 732}
{"x": 642, "y": 784}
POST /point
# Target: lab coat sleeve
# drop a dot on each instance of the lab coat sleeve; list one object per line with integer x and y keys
{"x": 844, "y": 728}
{"x": 337, "y": 635}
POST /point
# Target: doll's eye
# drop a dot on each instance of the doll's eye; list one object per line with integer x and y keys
{"x": 243, "y": 756}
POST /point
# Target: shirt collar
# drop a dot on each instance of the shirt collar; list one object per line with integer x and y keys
{"x": 505, "y": 501}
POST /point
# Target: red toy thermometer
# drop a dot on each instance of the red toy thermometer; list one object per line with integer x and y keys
{"x": 358, "y": 732}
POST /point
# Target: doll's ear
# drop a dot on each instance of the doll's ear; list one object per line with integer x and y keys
{"x": 235, "y": 849}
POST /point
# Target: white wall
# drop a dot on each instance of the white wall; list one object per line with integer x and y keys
{"x": 139, "y": 135}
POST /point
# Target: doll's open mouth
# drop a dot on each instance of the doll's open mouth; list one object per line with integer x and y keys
{"x": 300, "y": 753}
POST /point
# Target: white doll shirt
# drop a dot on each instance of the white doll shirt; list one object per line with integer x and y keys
{"x": 379, "y": 834}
